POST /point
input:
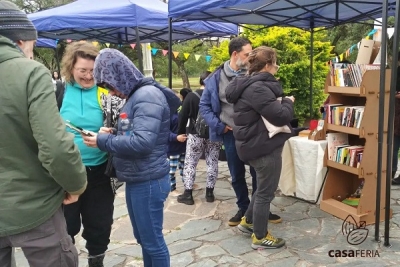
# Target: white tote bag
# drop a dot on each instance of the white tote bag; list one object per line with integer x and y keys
{"x": 272, "y": 129}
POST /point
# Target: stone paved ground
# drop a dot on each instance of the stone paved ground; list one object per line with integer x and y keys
{"x": 198, "y": 236}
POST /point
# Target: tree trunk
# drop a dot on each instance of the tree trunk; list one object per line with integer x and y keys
{"x": 182, "y": 72}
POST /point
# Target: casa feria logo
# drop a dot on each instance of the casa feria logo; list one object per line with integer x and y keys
{"x": 356, "y": 234}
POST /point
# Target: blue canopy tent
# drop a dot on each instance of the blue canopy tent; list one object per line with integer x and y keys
{"x": 120, "y": 22}
{"x": 309, "y": 14}
{"x": 46, "y": 43}
{"x": 304, "y": 14}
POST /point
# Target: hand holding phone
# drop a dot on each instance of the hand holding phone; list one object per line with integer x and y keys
{"x": 78, "y": 129}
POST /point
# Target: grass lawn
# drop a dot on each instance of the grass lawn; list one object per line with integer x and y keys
{"x": 177, "y": 82}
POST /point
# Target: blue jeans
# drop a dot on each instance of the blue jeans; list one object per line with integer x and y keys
{"x": 238, "y": 172}
{"x": 145, "y": 202}
{"x": 396, "y": 147}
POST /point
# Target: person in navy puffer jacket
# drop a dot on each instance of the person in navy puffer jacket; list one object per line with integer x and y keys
{"x": 140, "y": 158}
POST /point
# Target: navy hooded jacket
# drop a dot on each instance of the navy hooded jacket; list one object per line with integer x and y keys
{"x": 142, "y": 156}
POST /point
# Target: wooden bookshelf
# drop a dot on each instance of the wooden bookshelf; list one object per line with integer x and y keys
{"x": 343, "y": 180}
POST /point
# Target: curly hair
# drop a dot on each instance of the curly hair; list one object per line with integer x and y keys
{"x": 260, "y": 57}
{"x": 72, "y": 53}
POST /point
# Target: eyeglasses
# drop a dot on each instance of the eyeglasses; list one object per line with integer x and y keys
{"x": 84, "y": 71}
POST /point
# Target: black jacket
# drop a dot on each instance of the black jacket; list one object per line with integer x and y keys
{"x": 255, "y": 96}
{"x": 189, "y": 111}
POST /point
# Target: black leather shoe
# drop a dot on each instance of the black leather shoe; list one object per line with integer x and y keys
{"x": 186, "y": 197}
{"x": 210, "y": 194}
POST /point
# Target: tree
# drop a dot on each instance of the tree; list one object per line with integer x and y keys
{"x": 293, "y": 49}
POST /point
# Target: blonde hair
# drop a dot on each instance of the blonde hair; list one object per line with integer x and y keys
{"x": 260, "y": 57}
{"x": 72, "y": 53}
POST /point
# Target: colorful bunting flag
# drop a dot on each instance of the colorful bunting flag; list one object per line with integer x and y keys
{"x": 154, "y": 51}
{"x": 175, "y": 54}
{"x": 133, "y": 46}
{"x": 186, "y": 55}
{"x": 57, "y": 41}
{"x": 164, "y": 52}
{"x": 149, "y": 47}
{"x": 107, "y": 44}
{"x": 197, "y": 57}
{"x": 95, "y": 43}
{"x": 69, "y": 40}
{"x": 208, "y": 58}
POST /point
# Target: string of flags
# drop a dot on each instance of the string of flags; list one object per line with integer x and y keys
{"x": 350, "y": 50}
{"x": 153, "y": 50}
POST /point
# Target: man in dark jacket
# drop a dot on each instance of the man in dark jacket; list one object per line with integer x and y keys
{"x": 40, "y": 167}
{"x": 218, "y": 114}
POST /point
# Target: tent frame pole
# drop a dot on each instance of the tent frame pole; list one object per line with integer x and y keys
{"x": 392, "y": 95}
{"x": 311, "y": 65}
{"x": 382, "y": 81}
{"x": 139, "y": 50}
{"x": 170, "y": 53}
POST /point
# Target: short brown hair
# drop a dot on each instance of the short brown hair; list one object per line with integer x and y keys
{"x": 72, "y": 52}
{"x": 260, "y": 57}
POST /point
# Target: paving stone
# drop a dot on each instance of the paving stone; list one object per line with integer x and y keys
{"x": 316, "y": 212}
{"x": 204, "y": 263}
{"x": 385, "y": 255}
{"x": 330, "y": 227}
{"x": 133, "y": 251}
{"x": 119, "y": 201}
{"x": 285, "y": 231}
{"x": 281, "y": 255}
{"x": 217, "y": 236}
{"x": 222, "y": 184}
{"x": 293, "y": 216}
{"x": 113, "y": 260}
{"x": 303, "y": 263}
{"x": 396, "y": 219}
{"x": 183, "y": 246}
{"x": 308, "y": 225}
{"x": 357, "y": 262}
{"x": 395, "y": 194}
{"x": 315, "y": 258}
{"x": 123, "y": 232}
{"x": 223, "y": 192}
{"x": 206, "y": 209}
{"x": 229, "y": 259}
{"x": 305, "y": 243}
{"x": 209, "y": 251}
{"x": 135, "y": 263}
{"x": 193, "y": 229}
{"x": 280, "y": 263}
{"x": 283, "y": 201}
{"x": 182, "y": 259}
{"x": 180, "y": 208}
{"x": 236, "y": 245}
{"x": 120, "y": 211}
{"x": 173, "y": 220}
{"x": 298, "y": 207}
{"x": 254, "y": 258}
{"x": 395, "y": 245}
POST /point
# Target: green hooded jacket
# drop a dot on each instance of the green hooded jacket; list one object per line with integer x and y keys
{"x": 38, "y": 159}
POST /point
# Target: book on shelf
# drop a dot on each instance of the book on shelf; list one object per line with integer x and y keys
{"x": 349, "y": 116}
{"x": 341, "y": 152}
{"x": 349, "y": 75}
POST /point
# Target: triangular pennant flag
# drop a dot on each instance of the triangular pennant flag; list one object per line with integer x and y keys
{"x": 149, "y": 47}
{"x": 164, "y": 52}
{"x": 56, "y": 41}
{"x": 120, "y": 45}
{"x": 197, "y": 57}
{"x": 175, "y": 54}
{"x": 358, "y": 45}
{"x": 341, "y": 57}
{"x": 95, "y": 43}
{"x": 186, "y": 55}
{"x": 336, "y": 59}
{"x": 107, "y": 44}
{"x": 154, "y": 51}
{"x": 208, "y": 58}
{"x": 82, "y": 41}
{"x": 367, "y": 37}
{"x": 69, "y": 40}
{"x": 133, "y": 46}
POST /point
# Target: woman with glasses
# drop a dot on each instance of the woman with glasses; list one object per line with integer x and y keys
{"x": 255, "y": 96}
{"x": 83, "y": 103}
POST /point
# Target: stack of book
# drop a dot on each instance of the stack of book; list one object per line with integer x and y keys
{"x": 341, "y": 152}
{"x": 344, "y": 74}
{"x": 350, "y": 116}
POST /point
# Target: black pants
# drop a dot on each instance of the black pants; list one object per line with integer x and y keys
{"x": 95, "y": 207}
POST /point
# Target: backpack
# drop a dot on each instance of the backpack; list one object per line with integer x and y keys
{"x": 200, "y": 125}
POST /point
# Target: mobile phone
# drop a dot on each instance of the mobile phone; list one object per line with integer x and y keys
{"x": 77, "y": 129}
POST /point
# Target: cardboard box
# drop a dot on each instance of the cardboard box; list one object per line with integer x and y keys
{"x": 368, "y": 51}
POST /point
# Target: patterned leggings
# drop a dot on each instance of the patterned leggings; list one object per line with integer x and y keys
{"x": 194, "y": 148}
{"x": 176, "y": 161}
